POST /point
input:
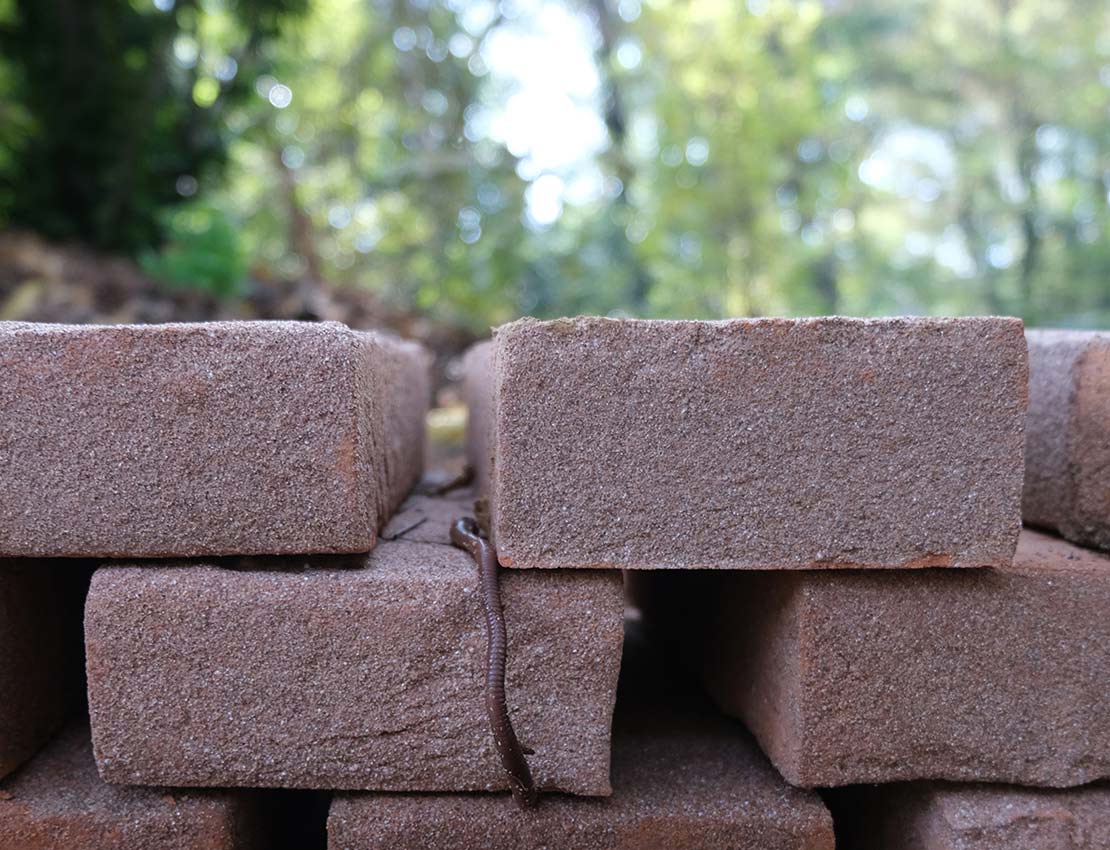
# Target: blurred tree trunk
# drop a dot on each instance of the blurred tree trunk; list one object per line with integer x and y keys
{"x": 302, "y": 238}
{"x": 616, "y": 122}
{"x": 826, "y": 281}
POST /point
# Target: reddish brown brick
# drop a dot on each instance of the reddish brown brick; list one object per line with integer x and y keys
{"x": 358, "y": 673}
{"x": 753, "y": 444}
{"x": 428, "y": 519}
{"x": 682, "y": 777}
{"x": 40, "y": 650}
{"x": 679, "y": 786}
{"x": 932, "y": 816}
{"x": 1067, "y": 453}
{"x": 996, "y": 675}
{"x": 477, "y": 373}
{"x": 222, "y": 438}
{"x": 57, "y": 802}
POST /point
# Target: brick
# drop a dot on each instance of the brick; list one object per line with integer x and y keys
{"x": 354, "y": 673}
{"x": 57, "y": 802}
{"x": 40, "y": 651}
{"x": 1067, "y": 454}
{"x": 204, "y": 439}
{"x": 682, "y": 777}
{"x": 428, "y": 519}
{"x": 753, "y": 444}
{"x": 934, "y": 816}
{"x": 993, "y": 675}
{"x": 477, "y": 372}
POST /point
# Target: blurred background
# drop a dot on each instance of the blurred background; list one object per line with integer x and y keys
{"x": 440, "y": 166}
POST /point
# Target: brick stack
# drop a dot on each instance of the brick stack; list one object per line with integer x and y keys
{"x": 819, "y": 521}
{"x": 296, "y": 631}
{"x": 683, "y": 776}
{"x": 823, "y": 518}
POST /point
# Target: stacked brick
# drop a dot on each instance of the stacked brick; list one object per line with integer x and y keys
{"x": 204, "y": 439}
{"x": 819, "y": 523}
{"x": 939, "y": 816}
{"x": 683, "y": 776}
{"x": 824, "y": 518}
{"x": 58, "y": 802}
{"x": 981, "y": 675}
{"x": 1067, "y": 474}
{"x": 188, "y": 441}
{"x": 296, "y": 631}
{"x": 372, "y": 671}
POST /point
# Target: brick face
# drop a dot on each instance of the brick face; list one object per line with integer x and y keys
{"x": 683, "y": 777}
{"x": 477, "y": 366}
{"x": 753, "y": 444}
{"x": 222, "y": 438}
{"x": 1067, "y": 456}
{"x": 360, "y": 672}
{"x": 678, "y": 786}
{"x": 58, "y": 802}
{"x": 938, "y": 816}
{"x": 992, "y": 675}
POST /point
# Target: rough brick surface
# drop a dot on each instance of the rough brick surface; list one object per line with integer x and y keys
{"x": 221, "y": 438}
{"x": 682, "y": 777}
{"x": 476, "y": 387}
{"x": 40, "y": 613}
{"x": 1067, "y": 454}
{"x": 428, "y": 519}
{"x": 995, "y": 675}
{"x": 932, "y": 816}
{"x": 753, "y": 443}
{"x": 365, "y": 677}
{"x": 57, "y": 802}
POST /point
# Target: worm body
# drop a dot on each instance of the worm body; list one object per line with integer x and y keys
{"x": 465, "y": 535}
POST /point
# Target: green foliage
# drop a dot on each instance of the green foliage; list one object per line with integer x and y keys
{"x": 107, "y": 129}
{"x": 202, "y": 250}
{"x": 363, "y": 170}
{"x": 764, "y": 157}
{"x": 865, "y": 158}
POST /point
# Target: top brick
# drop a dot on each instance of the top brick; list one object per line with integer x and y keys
{"x": 204, "y": 439}
{"x": 1067, "y": 456}
{"x": 753, "y": 444}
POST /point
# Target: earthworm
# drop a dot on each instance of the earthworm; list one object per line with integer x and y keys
{"x": 465, "y": 535}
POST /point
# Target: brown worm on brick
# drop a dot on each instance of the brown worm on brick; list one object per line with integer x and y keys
{"x": 466, "y": 535}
